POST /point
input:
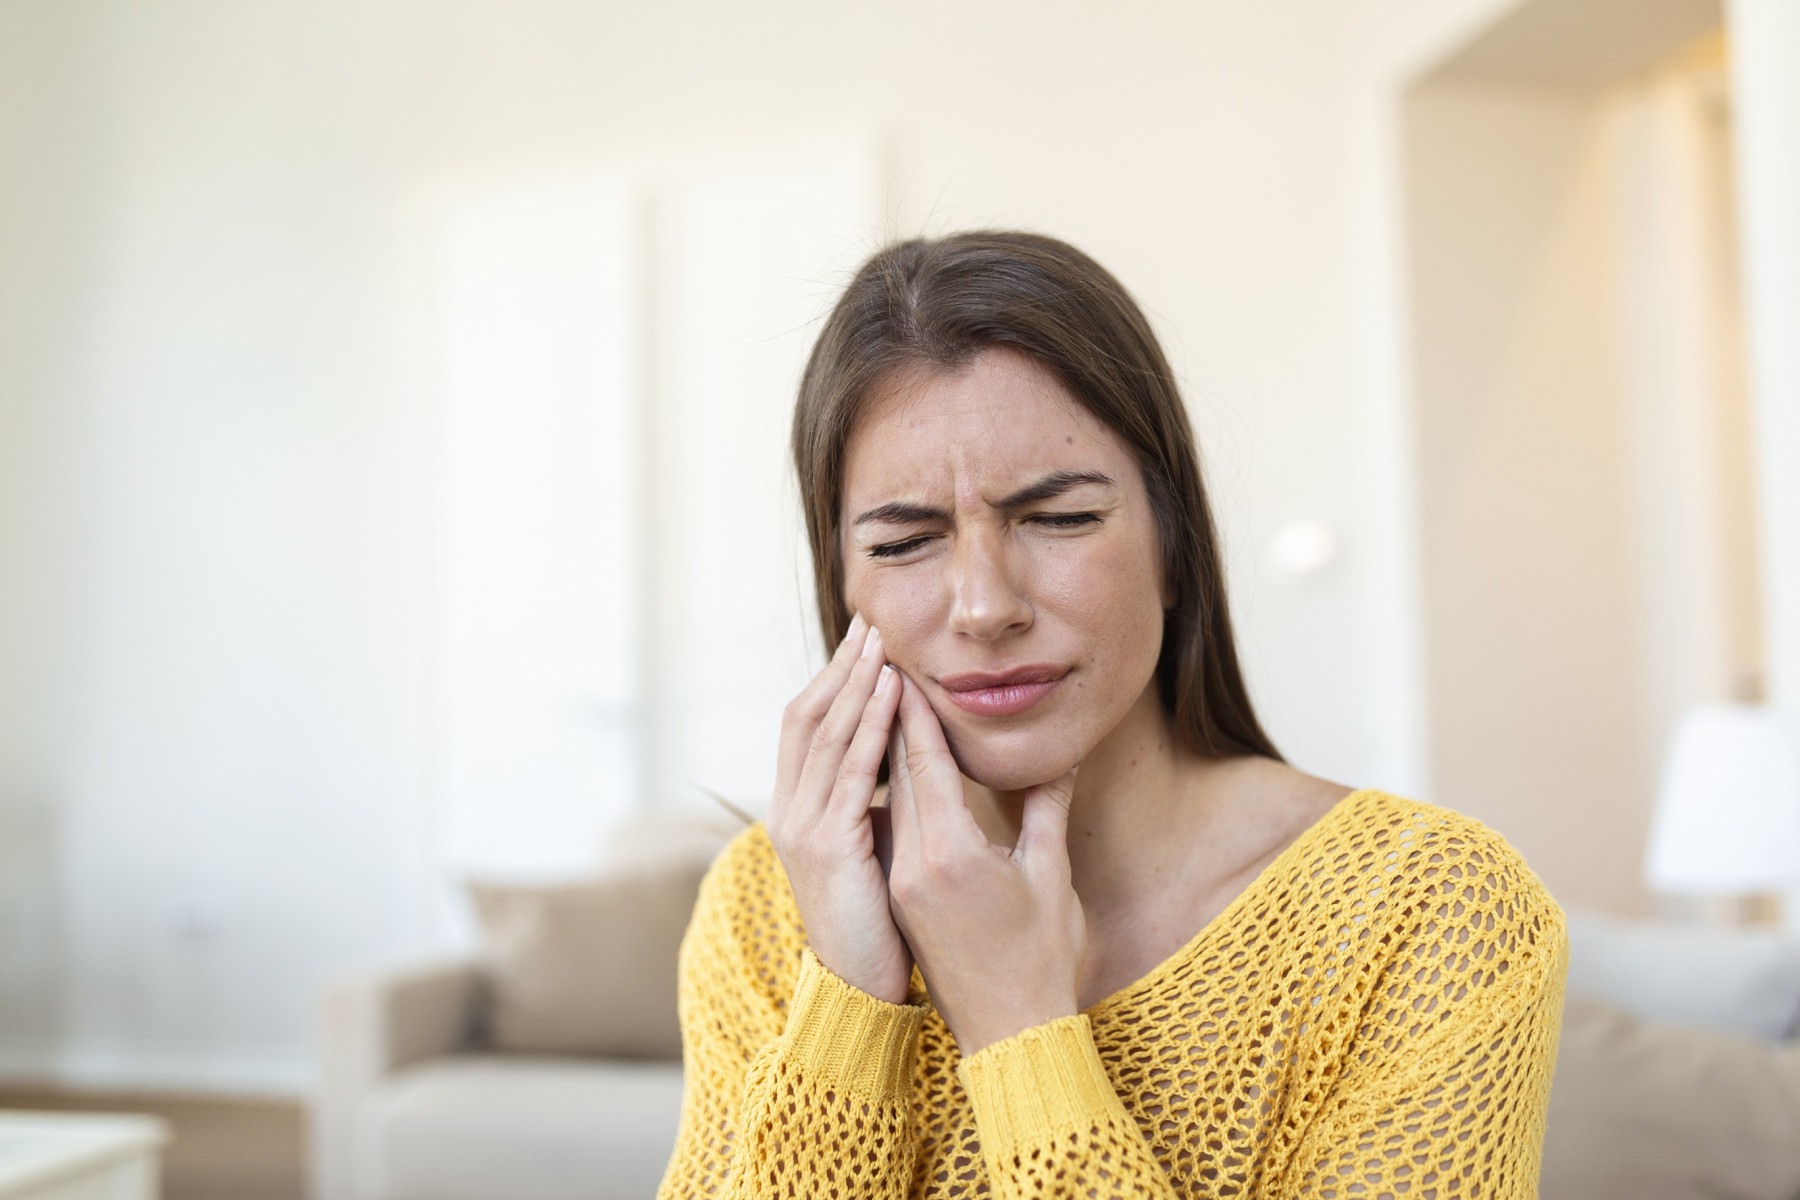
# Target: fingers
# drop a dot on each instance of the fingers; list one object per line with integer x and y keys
{"x": 805, "y": 711}
{"x": 860, "y": 765}
{"x": 1044, "y": 824}
{"x": 843, "y": 753}
{"x": 903, "y": 817}
{"x": 931, "y": 771}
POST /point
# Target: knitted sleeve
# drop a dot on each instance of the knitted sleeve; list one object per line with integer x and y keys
{"x": 1052, "y": 1127}
{"x": 1447, "y": 1080}
{"x": 803, "y": 1096}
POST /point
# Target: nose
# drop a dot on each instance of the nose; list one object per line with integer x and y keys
{"x": 986, "y": 599}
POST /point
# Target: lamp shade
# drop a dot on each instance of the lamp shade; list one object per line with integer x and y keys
{"x": 1728, "y": 813}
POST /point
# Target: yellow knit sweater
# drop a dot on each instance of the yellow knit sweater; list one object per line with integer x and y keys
{"x": 1375, "y": 1016}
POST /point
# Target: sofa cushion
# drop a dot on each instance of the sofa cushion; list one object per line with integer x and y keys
{"x": 1641, "y": 1110}
{"x": 587, "y": 967}
{"x": 480, "y": 1127}
{"x": 1738, "y": 980}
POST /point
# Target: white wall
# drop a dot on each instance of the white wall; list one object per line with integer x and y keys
{"x": 199, "y": 382}
{"x": 210, "y": 277}
{"x": 1683, "y": 350}
{"x": 1766, "y": 101}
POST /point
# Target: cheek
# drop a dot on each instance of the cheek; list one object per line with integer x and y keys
{"x": 900, "y": 603}
{"x": 1114, "y": 590}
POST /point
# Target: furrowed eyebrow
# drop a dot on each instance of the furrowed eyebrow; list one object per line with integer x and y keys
{"x": 1055, "y": 484}
{"x": 899, "y": 512}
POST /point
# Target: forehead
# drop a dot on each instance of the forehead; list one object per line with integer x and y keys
{"x": 1001, "y": 420}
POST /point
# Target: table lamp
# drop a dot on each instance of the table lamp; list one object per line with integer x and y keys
{"x": 1727, "y": 821}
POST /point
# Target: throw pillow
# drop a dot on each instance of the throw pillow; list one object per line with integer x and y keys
{"x": 587, "y": 967}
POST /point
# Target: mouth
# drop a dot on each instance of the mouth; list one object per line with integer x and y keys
{"x": 1002, "y": 693}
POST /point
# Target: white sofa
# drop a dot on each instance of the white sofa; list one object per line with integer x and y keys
{"x": 415, "y": 1103}
{"x": 411, "y": 1105}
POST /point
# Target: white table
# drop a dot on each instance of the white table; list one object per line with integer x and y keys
{"x": 79, "y": 1156}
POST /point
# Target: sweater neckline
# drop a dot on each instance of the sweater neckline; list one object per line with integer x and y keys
{"x": 1264, "y": 880}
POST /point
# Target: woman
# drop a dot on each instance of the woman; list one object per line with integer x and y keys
{"x": 1096, "y": 939}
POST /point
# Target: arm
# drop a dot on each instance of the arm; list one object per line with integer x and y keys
{"x": 811, "y": 1102}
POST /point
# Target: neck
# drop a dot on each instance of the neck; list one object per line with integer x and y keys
{"x": 1136, "y": 789}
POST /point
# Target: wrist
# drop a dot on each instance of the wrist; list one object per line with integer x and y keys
{"x": 979, "y": 1030}
{"x": 890, "y": 984}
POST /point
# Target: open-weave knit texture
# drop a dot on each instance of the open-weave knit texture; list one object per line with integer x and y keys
{"x": 1375, "y": 1017}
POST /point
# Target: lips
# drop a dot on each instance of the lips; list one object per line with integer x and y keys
{"x": 1002, "y": 693}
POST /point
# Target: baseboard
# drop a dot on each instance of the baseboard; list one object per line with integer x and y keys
{"x": 25, "y": 1064}
{"x": 97, "y": 1067}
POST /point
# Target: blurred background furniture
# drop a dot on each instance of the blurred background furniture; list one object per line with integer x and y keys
{"x": 79, "y": 1156}
{"x": 546, "y": 1067}
{"x": 1653, "y": 1110}
{"x": 1727, "y": 820}
{"x": 1678, "y": 1074}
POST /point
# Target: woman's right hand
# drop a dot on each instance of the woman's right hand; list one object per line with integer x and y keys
{"x": 833, "y": 736}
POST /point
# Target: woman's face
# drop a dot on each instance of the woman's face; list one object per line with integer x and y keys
{"x": 1001, "y": 539}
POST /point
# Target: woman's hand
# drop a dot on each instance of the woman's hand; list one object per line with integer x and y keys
{"x": 833, "y": 735}
{"x": 999, "y": 933}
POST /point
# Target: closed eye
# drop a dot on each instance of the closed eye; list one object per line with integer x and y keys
{"x": 1053, "y": 520}
{"x": 895, "y": 549}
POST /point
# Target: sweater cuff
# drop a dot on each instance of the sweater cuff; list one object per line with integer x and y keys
{"x": 839, "y": 1033}
{"x": 1043, "y": 1080}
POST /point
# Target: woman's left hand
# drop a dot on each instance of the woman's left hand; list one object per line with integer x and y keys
{"x": 998, "y": 934}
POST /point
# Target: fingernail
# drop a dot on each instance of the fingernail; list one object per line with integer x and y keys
{"x": 856, "y": 626}
{"x": 872, "y": 643}
{"x": 884, "y": 679}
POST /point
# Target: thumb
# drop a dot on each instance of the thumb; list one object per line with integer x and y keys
{"x": 1044, "y": 822}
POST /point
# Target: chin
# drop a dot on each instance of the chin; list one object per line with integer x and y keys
{"x": 1016, "y": 760}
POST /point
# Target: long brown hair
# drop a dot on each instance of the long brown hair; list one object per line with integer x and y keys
{"x": 940, "y": 302}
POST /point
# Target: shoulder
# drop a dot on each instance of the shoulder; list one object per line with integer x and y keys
{"x": 747, "y": 877}
{"x": 1449, "y": 898}
{"x": 746, "y": 908}
{"x": 1430, "y": 852}
{"x": 747, "y": 858}
{"x": 1396, "y": 879}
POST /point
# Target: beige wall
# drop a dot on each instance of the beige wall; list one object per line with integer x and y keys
{"x": 1587, "y": 556}
{"x": 1530, "y": 631}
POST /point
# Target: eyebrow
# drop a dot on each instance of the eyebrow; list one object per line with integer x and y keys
{"x": 901, "y": 512}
